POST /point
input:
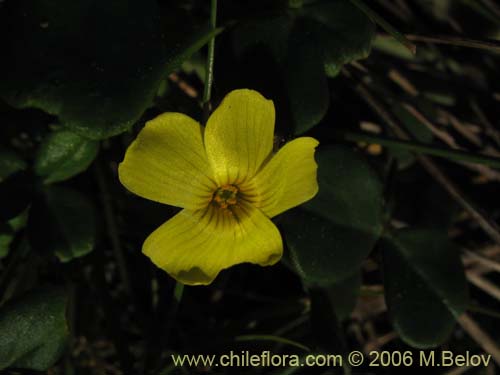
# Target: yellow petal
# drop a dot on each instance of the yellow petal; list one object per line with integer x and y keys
{"x": 194, "y": 246}
{"x": 167, "y": 163}
{"x": 288, "y": 180}
{"x": 239, "y": 136}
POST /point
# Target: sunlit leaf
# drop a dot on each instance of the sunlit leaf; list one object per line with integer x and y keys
{"x": 34, "y": 330}
{"x": 64, "y": 154}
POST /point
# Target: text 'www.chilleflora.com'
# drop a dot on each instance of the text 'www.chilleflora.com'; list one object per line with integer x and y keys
{"x": 432, "y": 358}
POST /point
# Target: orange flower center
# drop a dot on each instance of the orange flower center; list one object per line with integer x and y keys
{"x": 226, "y": 196}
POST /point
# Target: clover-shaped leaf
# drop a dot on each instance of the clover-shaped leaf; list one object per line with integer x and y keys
{"x": 425, "y": 285}
{"x": 63, "y": 154}
{"x": 34, "y": 330}
{"x": 62, "y": 221}
{"x": 329, "y": 236}
{"x": 309, "y": 42}
{"x": 97, "y": 65}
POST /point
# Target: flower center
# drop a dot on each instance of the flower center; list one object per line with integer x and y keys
{"x": 226, "y": 196}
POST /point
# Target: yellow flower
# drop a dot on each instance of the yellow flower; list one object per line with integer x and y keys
{"x": 227, "y": 181}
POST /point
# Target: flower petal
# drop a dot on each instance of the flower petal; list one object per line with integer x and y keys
{"x": 239, "y": 136}
{"x": 167, "y": 163}
{"x": 288, "y": 180}
{"x": 194, "y": 246}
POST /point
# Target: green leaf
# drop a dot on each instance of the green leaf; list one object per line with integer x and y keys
{"x": 10, "y": 163}
{"x": 305, "y": 78}
{"x": 271, "y": 32}
{"x": 8, "y": 231}
{"x": 343, "y": 295}
{"x": 350, "y": 191}
{"x": 63, "y": 154}
{"x": 425, "y": 285}
{"x": 34, "y": 330}
{"x": 345, "y": 33}
{"x": 344, "y": 220}
{"x": 62, "y": 221}
{"x": 95, "y": 64}
{"x": 317, "y": 251}
{"x": 305, "y": 42}
{"x": 183, "y": 50}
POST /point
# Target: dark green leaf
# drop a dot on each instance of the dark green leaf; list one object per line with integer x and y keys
{"x": 270, "y": 32}
{"x": 64, "y": 154}
{"x": 305, "y": 78}
{"x": 305, "y": 41}
{"x": 8, "y": 231}
{"x": 183, "y": 50}
{"x": 331, "y": 235}
{"x": 34, "y": 330}
{"x": 95, "y": 64}
{"x": 345, "y": 33}
{"x": 425, "y": 285}
{"x": 318, "y": 248}
{"x": 62, "y": 221}
{"x": 344, "y": 295}
{"x": 350, "y": 192}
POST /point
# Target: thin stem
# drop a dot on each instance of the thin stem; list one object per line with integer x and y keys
{"x": 482, "y": 260}
{"x": 492, "y": 7}
{"x": 485, "y": 222}
{"x": 489, "y": 45}
{"x": 170, "y": 321}
{"x": 488, "y": 226}
{"x": 480, "y": 336}
{"x": 485, "y": 285}
{"x": 385, "y": 25}
{"x": 112, "y": 227}
{"x": 485, "y": 311}
{"x": 481, "y": 9}
{"x": 209, "y": 67}
{"x": 174, "y": 307}
{"x": 420, "y": 148}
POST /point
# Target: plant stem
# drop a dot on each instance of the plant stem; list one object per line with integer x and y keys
{"x": 420, "y": 148}
{"x": 488, "y": 225}
{"x": 489, "y": 45}
{"x": 112, "y": 227}
{"x": 385, "y": 25}
{"x": 209, "y": 67}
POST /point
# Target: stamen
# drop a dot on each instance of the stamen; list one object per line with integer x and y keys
{"x": 226, "y": 196}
